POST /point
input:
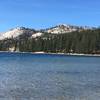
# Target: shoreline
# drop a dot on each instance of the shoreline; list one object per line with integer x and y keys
{"x": 66, "y": 54}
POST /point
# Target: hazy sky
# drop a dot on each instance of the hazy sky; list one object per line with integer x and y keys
{"x": 45, "y": 13}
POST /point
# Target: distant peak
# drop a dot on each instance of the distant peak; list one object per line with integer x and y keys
{"x": 65, "y": 25}
{"x": 20, "y": 28}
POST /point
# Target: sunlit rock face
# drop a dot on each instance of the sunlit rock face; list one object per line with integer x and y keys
{"x": 13, "y": 33}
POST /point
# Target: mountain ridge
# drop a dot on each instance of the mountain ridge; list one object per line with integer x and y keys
{"x": 67, "y": 39}
{"x": 57, "y": 29}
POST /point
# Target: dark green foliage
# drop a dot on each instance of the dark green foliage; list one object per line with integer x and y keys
{"x": 86, "y": 41}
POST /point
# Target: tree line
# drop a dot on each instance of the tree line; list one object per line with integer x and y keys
{"x": 86, "y": 41}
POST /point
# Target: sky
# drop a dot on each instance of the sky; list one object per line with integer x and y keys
{"x": 46, "y": 13}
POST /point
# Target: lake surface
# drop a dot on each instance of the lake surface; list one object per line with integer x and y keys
{"x": 49, "y": 77}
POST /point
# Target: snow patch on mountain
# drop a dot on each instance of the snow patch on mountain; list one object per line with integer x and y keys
{"x": 37, "y": 35}
{"x": 63, "y": 28}
{"x": 12, "y": 33}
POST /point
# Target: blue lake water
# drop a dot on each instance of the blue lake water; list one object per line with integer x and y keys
{"x": 49, "y": 77}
